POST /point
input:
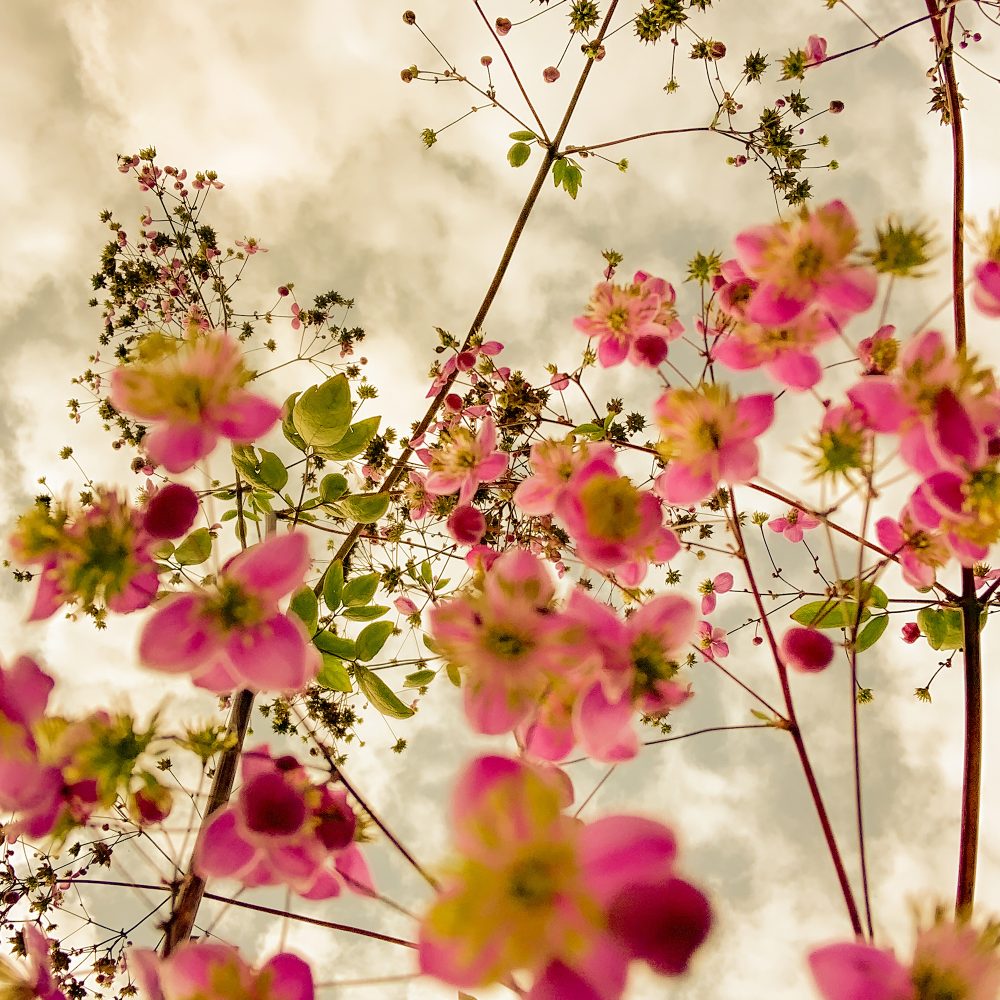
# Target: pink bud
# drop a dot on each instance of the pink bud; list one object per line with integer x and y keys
{"x": 503, "y": 25}
{"x": 466, "y": 524}
{"x": 405, "y": 606}
{"x": 550, "y": 74}
{"x": 911, "y": 632}
{"x": 807, "y": 649}
{"x": 170, "y": 511}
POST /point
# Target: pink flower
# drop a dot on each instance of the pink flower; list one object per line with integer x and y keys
{"x": 191, "y": 392}
{"x": 708, "y": 439}
{"x": 31, "y": 979}
{"x": 209, "y": 971}
{"x": 234, "y": 636}
{"x": 415, "y": 496}
{"x": 956, "y": 958}
{"x": 722, "y": 584}
{"x": 250, "y": 246}
{"x": 462, "y": 460}
{"x": 553, "y": 464}
{"x": 878, "y": 353}
{"x": 964, "y": 511}
{"x": 466, "y": 524}
{"x": 633, "y": 322}
{"x": 857, "y": 971}
{"x": 615, "y": 527}
{"x": 405, "y": 606}
{"x": 987, "y": 577}
{"x": 793, "y": 524}
{"x": 986, "y": 290}
{"x": 816, "y": 50}
{"x": 806, "y": 649}
{"x": 101, "y": 554}
{"x": 284, "y": 830}
{"x": 296, "y": 316}
{"x": 712, "y": 641}
{"x": 803, "y": 262}
{"x": 911, "y": 632}
{"x": 920, "y": 553}
{"x": 573, "y": 903}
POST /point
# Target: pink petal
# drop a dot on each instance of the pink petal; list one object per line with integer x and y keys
{"x": 246, "y": 417}
{"x": 170, "y": 512}
{"x": 49, "y": 597}
{"x": 489, "y": 711}
{"x": 222, "y": 852}
{"x": 890, "y": 535}
{"x": 535, "y": 496}
{"x": 179, "y": 446}
{"x": 796, "y": 369}
{"x": 25, "y": 691}
{"x": 770, "y": 307}
{"x": 274, "y": 567}
{"x": 750, "y": 246}
{"x": 955, "y": 432}
{"x": 604, "y": 727}
{"x": 878, "y": 398}
{"x": 175, "y": 638}
{"x": 681, "y": 485}
{"x": 619, "y": 851}
{"x": 806, "y": 649}
{"x": 855, "y": 971}
{"x": 852, "y": 291}
{"x": 611, "y": 352}
{"x": 351, "y": 863}
{"x": 292, "y": 979}
{"x": 138, "y": 593}
{"x": 560, "y": 982}
{"x": 756, "y": 413}
{"x": 493, "y": 467}
{"x": 272, "y": 656}
{"x": 144, "y": 968}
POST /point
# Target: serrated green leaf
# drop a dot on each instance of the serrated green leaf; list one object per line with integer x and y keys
{"x": 517, "y": 155}
{"x": 380, "y": 695}
{"x": 572, "y": 180}
{"x": 336, "y": 645}
{"x": 333, "y": 584}
{"x": 332, "y": 487}
{"x": 419, "y": 679}
{"x": 364, "y": 507}
{"x": 195, "y": 549}
{"x": 558, "y": 172}
{"x": 372, "y": 638}
{"x": 872, "y": 632}
{"x": 360, "y": 590}
{"x": 333, "y": 674}
{"x": 322, "y": 414}
{"x": 305, "y": 607}
{"x": 523, "y": 135}
{"x": 365, "y": 614}
{"x": 353, "y": 442}
{"x": 829, "y": 614}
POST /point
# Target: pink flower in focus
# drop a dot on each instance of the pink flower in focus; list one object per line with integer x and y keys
{"x": 553, "y": 464}
{"x": 920, "y": 553}
{"x": 282, "y": 829}
{"x": 466, "y": 524}
{"x": 191, "y": 392}
{"x": 986, "y": 290}
{"x": 205, "y": 970}
{"x": 462, "y": 460}
{"x": 708, "y": 438}
{"x": 633, "y": 322}
{"x": 793, "y": 524}
{"x": 31, "y": 979}
{"x": 571, "y": 903}
{"x": 878, "y": 352}
{"x": 803, "y": 262}
{"x": 712, "y": 641}
{"x": 234, "y": 636}
{"x": 415, "y": 496}
{"x": 964, "y": 511}
{"x": 815, "y": 49}
{"x": 911, "y": 632}
{"x": 721, "y": 584}
{"x": 806, "y": 649}
{"x": 856, "y": 971}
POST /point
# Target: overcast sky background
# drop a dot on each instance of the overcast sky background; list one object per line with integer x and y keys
{"x": 300, "y": 109}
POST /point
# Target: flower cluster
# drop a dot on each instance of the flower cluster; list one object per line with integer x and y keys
{"x": 577, "y": 903}
{"x": 101, "y": 553}
{"x": 283, "y": 829}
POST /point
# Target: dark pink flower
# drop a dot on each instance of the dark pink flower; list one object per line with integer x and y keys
{"x": 911, "y": 632}
{"x": 816, "y": 49}
{"x": 553, "y": 464}
{"x": 856, "y": 971}
{"x": 234, "y": 636}
{"x": 806, "y": 649}
{"x": 466, "y": 524}
{"x": 986, "y": 290}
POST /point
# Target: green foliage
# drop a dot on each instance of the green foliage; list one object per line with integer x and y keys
{"x": 518, "y": 154}
{"x": 380, "y": 695}
{"x": 372, "y": 638}
{"x": 195, "y": 549}
{"x": 266, "y": 472}
{"x": 354, "y": 442}
{"x": 942, "y": 627}
{"x": 322, "y": 414}
{"x": 305, "y": 607}
{"x": 568, "y": 175}
{"x": 364, "y": 508}
{"x": 333, "y": 675}
{"x": 359, "y": 591}
{"x": 872, "y": 632}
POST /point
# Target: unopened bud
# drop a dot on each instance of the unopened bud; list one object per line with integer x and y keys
{"x": 503, "y": 25}
{"x": 486, "y": 61}
{"x": 836, "y": 107}
{"x": 409, "y": 17}
{"x": 717, "y": 50}
{"x": 550, "y": 74}
{"x": 406, "y": 75}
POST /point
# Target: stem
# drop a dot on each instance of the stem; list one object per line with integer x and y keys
{"x": 965, "y": 889}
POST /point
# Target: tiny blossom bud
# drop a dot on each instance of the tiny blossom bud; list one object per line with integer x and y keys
{"x": 409, "y": 17}
{"x": 550, "y": 74}
{"x": 282, "y": 290}
{"x": 977, "y": 37}
{"x": 717, "y": 50}
{"x": 503, "y": 25}
{"x": 807, "y": 649}
{"x": 911, "y": 632}
{"x": 758, "y": 640}
{"x": 486, "y": 61}
{"x": 406, "y": 75}
{"x": 836, "y": 107}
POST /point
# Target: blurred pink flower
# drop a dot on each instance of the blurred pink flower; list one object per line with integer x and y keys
{"x": 806, "y": 649}
{"x": 31, "y": 979}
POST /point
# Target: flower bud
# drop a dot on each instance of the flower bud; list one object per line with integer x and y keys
{"x": 503, "y": 25}
{"x": 550, "y": 74}
{"x": 409, "y": 17}
{"x": 836, "y": 107}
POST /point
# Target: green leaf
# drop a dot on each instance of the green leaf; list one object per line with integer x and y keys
{"x": 872, "y": 595}
{"x": 353, "y": 442}
{"x": 364, "y": 507}
{"x": 419, "y": 679}
{"x": 943, "y": 627}
{"x": 523, "y": 135}
{"x": 517, "y": 155}
{"x": 361, "y": 590}
{"x": 593, "y": 432}
{"x": 273, "y": 473}
{"x": 572, "y": 180}
{"x": 372, "y": 639}
{"x": 829, "y": 614}
{"x": 379, "y": 694}
{"x": 872, "y": 632}
{"x": 333, "y": 674}
{"x": 287, "y": 427}
{"x": 453, "y": 675}
{"x": 195, "y": 549}
{"x": 333, "y": 584}
{"x": 558, "y": 172}
{"x": 322, "y": 414}
{"x": 364, "y": 614}
{"x": 336, "y": 645}
{"x": 332, "y": 487}
{"x": 305, "y": 607}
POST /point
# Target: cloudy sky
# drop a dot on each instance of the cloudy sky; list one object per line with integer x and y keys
{"x": 301, "y": 110}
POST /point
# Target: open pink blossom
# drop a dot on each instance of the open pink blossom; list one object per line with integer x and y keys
{"x": 806, "y": 649}
{"x": 920, "y": 553}
{"x": 207, "y": 970}
{"x": 553, "y": 464}
{"x": 192, "y": 393}
{"x": 282, "y": 829}
{"x": 986, "y": 288}
{"x": 416, "y": 497}
{"x": 857, "y": 971}
{"x": 711, "y": 640}
{"x": 32, "y": 978}
{"x": 614, "y": 526}
{"x": 793, "y": 524}
{"x": 707, "y": 439}
{"x": 570, "y": 904}
{"x": 709, "y": 589}
{"x": 632, "y": 322}
{"x": 233, "y": 635}
{"x": 463, "y": 459}
{"x": 805, "y": 261}
{"x": 964, "y": 511}
{"x": 101, "y": 554}
{"x": 986, "y": 576}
